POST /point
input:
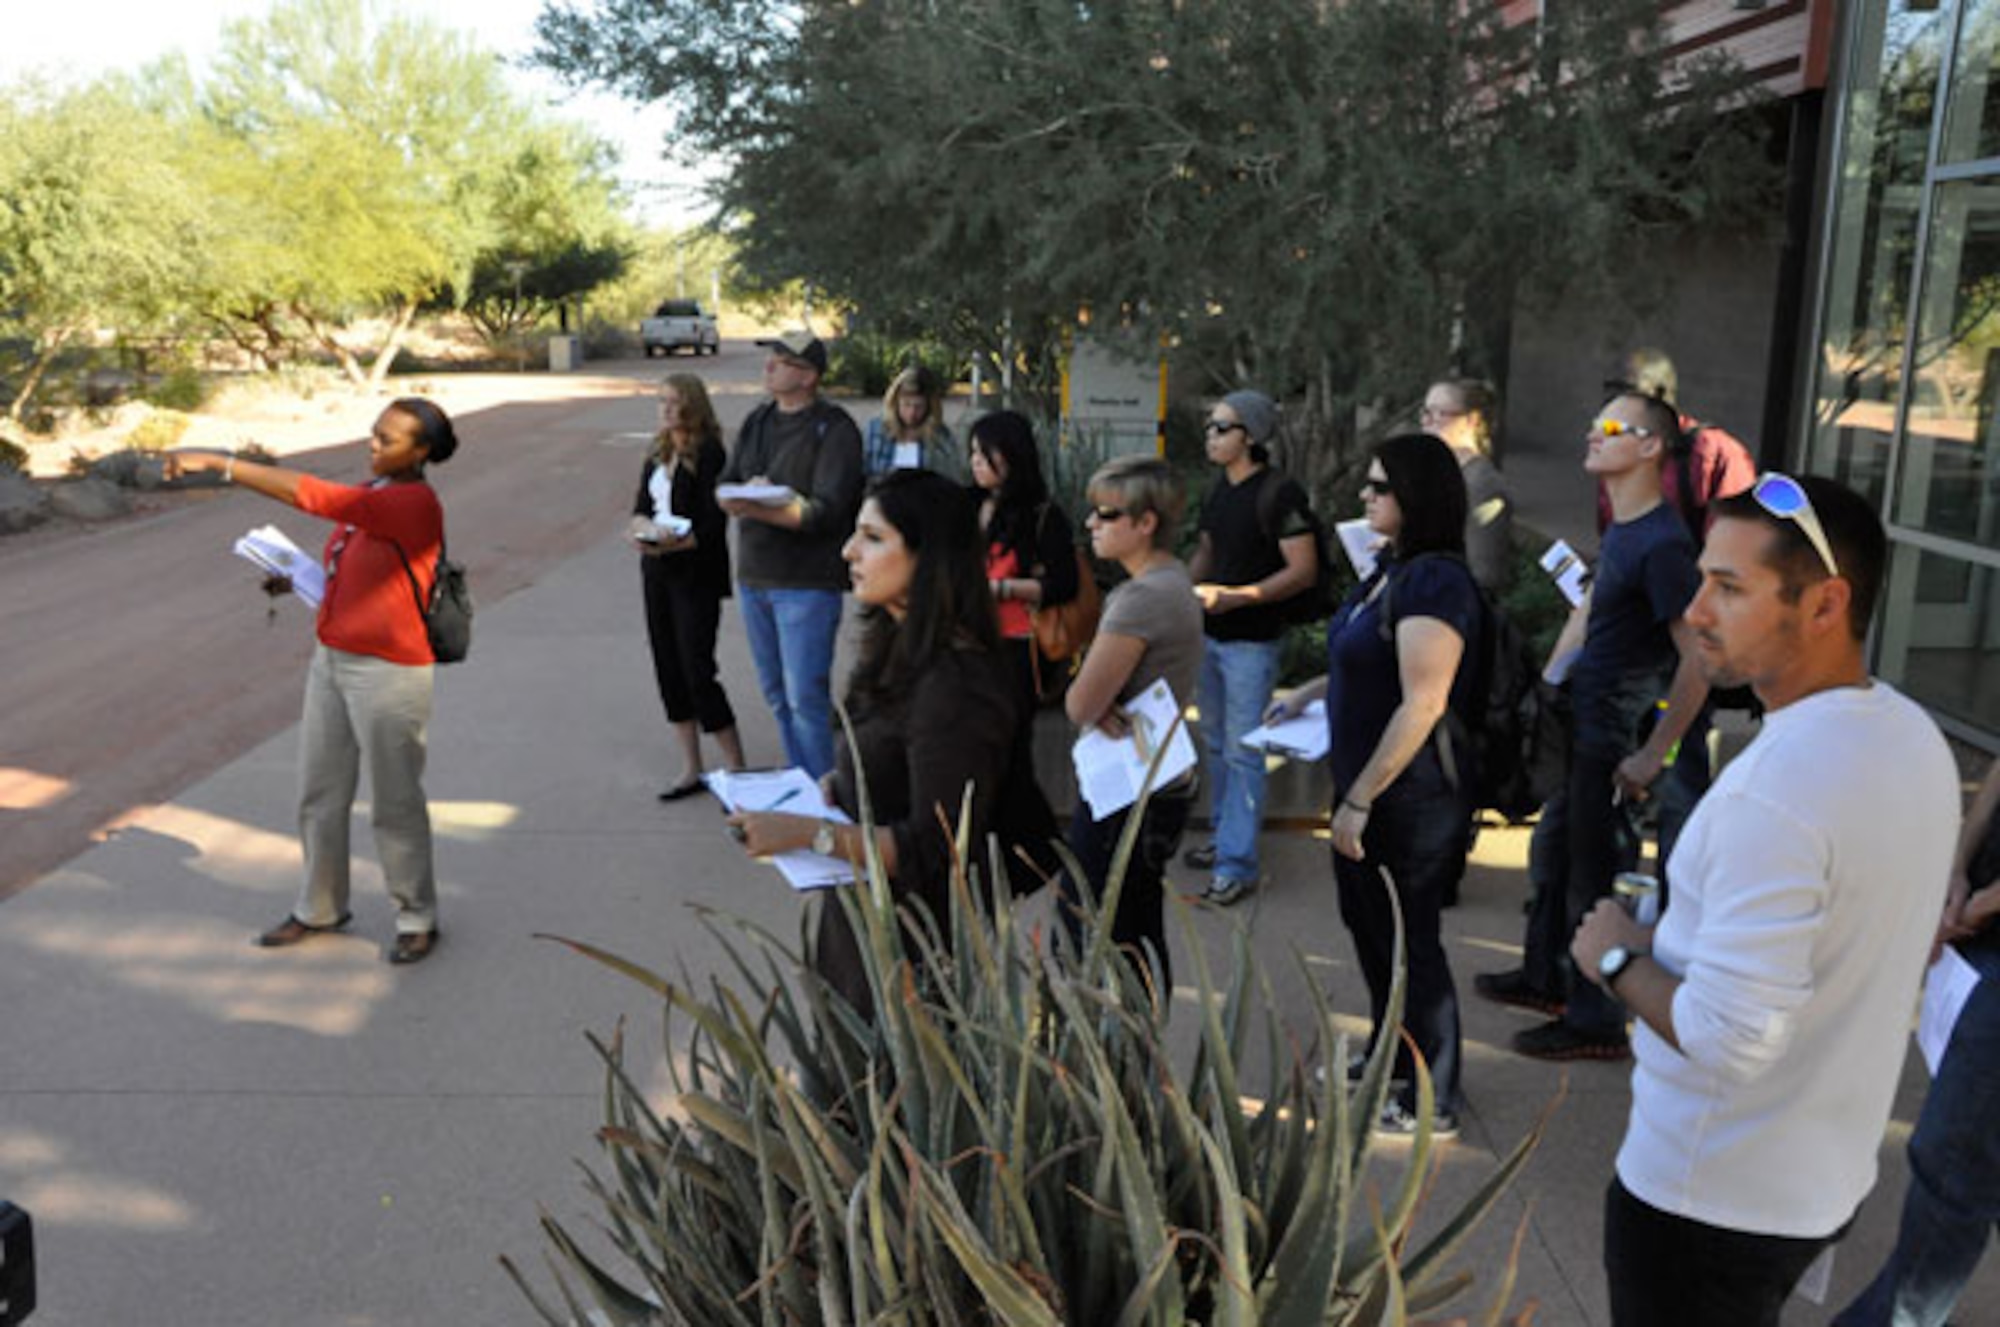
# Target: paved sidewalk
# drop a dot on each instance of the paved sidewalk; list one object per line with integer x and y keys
{"x": 209, "y": 1134}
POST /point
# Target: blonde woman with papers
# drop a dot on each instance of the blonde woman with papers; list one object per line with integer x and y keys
{"x": 1151, "y": 631}
{"x": 368, "y": 692}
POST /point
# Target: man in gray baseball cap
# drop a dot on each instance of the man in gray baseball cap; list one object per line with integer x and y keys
{"x": 790, "y": 577}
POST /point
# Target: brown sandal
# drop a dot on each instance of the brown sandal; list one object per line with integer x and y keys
{"x": 291, "y": 930}
{"x": 413, "y": 946}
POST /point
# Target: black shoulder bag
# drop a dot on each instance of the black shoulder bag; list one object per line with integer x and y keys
{"x": 448, "y": 615}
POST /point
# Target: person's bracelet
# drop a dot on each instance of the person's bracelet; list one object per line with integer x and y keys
{"x": 229, "y": 471}
{"x": 1353, "y": 805}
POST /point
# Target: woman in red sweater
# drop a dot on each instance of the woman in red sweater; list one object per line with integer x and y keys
{"x": 368, "y": 694}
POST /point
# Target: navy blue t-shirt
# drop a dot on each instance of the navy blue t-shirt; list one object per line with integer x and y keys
{"x": 1363, "y": 683}
{"x": 1646, "y": 576}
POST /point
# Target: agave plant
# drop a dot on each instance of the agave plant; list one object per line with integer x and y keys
{"x": 1007, "y": 1140}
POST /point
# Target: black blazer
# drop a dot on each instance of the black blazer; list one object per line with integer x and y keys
{"x": 707, "y": 563}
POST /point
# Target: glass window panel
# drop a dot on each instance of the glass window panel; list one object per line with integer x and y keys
{"x": 1894, "y": 59}
{"x": 1951, "y": 437}
{"x": 1939, "y": 639}
{"x": 1972, "y": 116}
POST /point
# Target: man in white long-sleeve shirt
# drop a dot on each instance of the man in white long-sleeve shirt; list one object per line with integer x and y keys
{"x": 1774, "y": 997}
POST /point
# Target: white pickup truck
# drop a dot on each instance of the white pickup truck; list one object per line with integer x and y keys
{"x": 677, "y": 323}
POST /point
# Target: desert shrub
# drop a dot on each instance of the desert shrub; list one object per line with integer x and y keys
{"x": 865, "y": 363}
{"x": 182, "y": 389}
{"x": 158, "y": 431}
{"x": 1008, "y": 1140}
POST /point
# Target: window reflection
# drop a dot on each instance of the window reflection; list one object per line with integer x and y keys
{"x": 1972, "y": 118}
{"x": 1940, "y": 634}
{"x": 1892, "y": 84}
{"x": 1949, "y": 445}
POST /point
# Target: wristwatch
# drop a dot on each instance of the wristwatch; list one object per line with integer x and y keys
{"x": 824, "y": 842}
{"x": 1616, "y": 959}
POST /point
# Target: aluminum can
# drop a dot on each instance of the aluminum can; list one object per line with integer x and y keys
{"x": 1639, "y": 894}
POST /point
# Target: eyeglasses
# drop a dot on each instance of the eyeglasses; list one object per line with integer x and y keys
{"x": 1215, "y": 428}
{"x": 1612, "y": 428}
{"x": 1106, "y": 515}
{"x": 1785, "y": 498}
{"x": 1377, "y": 488}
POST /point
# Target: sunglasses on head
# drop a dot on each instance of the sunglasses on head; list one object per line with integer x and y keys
{"x": 1785, "y": 498}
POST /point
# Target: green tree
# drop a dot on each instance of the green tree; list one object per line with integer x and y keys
{"x": 95, "y": 228}
{"x": 1336, "y": 201}
{"x": 356, "y": 159}
{"x": 557, "y": 233}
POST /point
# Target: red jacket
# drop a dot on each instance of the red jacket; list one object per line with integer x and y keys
{"x": 369, "y": 606}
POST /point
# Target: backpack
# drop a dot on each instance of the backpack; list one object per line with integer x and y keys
{"x": 1317, "y": 602}
{"x": 448, "y": 614}
{"x": 1518, "y": 749}
{"x": 1694, "y": 506}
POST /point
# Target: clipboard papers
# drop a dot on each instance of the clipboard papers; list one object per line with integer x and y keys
{"x": 1361, "y": 545}
{"x": 1567, "y": 570}
{"x": 764, "y": 495}
{"x": 1110, "y": 771}
{"x": 268, "y": 548}
{"x": 794, "y": 791}
{"x": 1303, "y": 737}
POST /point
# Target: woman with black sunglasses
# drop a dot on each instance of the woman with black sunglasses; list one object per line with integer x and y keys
{"x": 1398, "y": 662}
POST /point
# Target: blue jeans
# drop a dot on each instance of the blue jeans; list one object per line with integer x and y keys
{"x": 1953, "y": 1201}
{"x": 1236, "y": 681}
{"x": 791, "y": 639}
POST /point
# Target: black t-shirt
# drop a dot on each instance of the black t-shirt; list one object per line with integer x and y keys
{"x": 1244, "y": 526}
{"x": 1364, "y": 683}
{"x": 1645, "y": 577}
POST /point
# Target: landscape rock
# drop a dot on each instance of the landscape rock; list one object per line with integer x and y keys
{"x": 130, "y": 469}
{"x": 23, "y": 502}
{"x": 90, "y": 499}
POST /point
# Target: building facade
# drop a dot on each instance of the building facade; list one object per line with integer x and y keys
{"x": 1901, "y": 362}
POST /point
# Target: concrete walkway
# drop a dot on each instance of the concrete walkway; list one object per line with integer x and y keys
{"x": 209, "y": 1134}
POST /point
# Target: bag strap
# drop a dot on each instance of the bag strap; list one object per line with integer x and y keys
{"x": 417, "y": 591}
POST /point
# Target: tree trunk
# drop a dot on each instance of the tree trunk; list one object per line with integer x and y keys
{"x": 328, "y": 342}
{"x": 52, "y": 343}
{"x": 399, "y": 326}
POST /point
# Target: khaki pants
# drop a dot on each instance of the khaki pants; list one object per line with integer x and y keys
{"x": 358, "y": 707}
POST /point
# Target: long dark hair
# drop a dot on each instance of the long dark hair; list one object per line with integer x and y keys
{"x": 1429, "y": 489}
{"x": 1006, "y": 435}
{"x": 950, "y": 605}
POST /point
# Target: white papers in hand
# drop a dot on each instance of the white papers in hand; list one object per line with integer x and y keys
{"x": 676, "y": 527}
{"x": 794, "y": 792}
{"x": 1946, "y": 989}
{"x": 1567, "y": 570}
{"x": 764, "y": 495}
{"x": 1302, "y": 737}
{"x": 1110, "y": 771}
{"x": 1359, "y": 543}
{"x": 268, "y": 548}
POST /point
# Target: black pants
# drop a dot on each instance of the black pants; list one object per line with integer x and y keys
{"x": 1023, "y": 816}
{"x": 1577, "y": 848}
{"x": 1141, "y": 919}
{"x": 1670, "y": 1271}
{"x": 681, "y": 622}
{"x": 1420, "y": 841}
